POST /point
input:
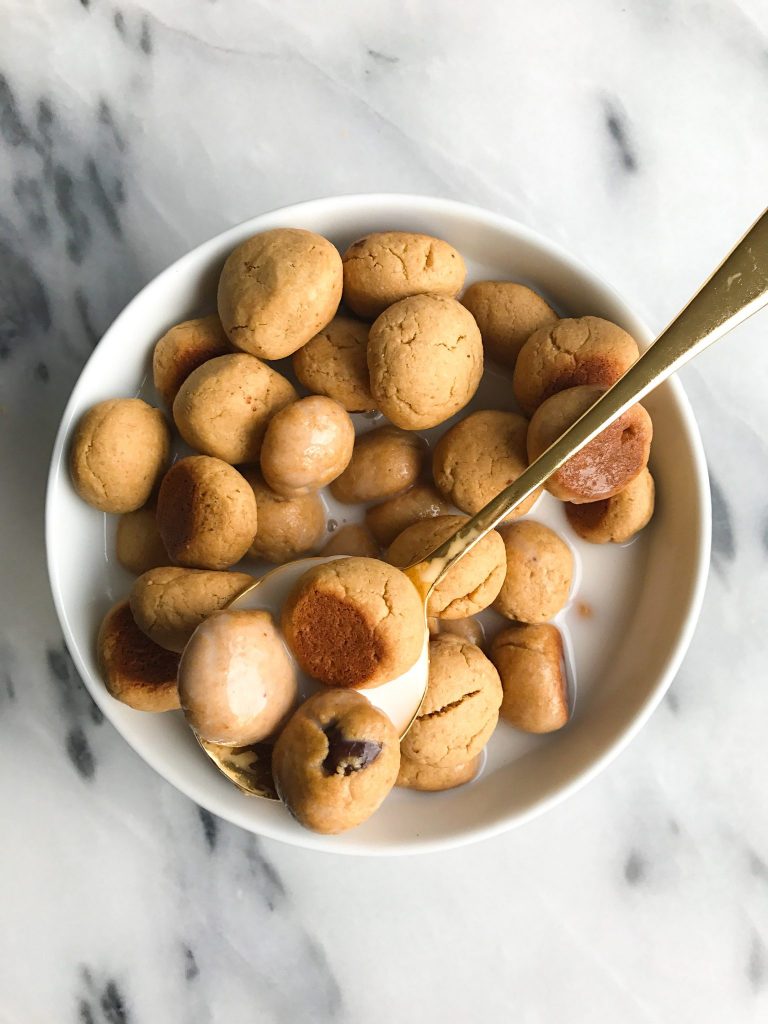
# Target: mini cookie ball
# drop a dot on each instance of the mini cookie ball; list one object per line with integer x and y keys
{"x": 134, "y": 669}
{"x": 532, "y": 671}
{"x": 169, "y": 603}
{"x": 335, "y": 761}
{"x": 425, "y": 358}
{"x": 182, "y": 349}
{"x": 223, "y": 407}
{"x": 606, "y": 465}
{"x": 388, "y": 520}
{"x": 507, "y": 315}
{"x": 587, "y": 350}
{"x": 354, "y": 622}
{"x": 288, "y": 527}
{"x": 206, "y": 513}
{"x": 615, "y": 520}
{"x": 352, "y": 540}
{"x": 384, "y": 462}
{"x": 119, "y": 451}
{"x": 335, "y": 363}
{"x": 307, "y": 444}
{"x": 539, "y": 572}
{"x": 472, "y": 584}
{"x": 277, "y": 290}
{"x": 138, "y": 544}
{"x": 427, "y": 779}
{"x": 480, "y": 456}
{"x": 237, "y": 684}
{"x": 387, "y": 266}
{"x": 469, "y": 629}
{"x": 460, "y": 708}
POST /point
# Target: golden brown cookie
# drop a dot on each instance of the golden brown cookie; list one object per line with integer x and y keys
{"x": 507, "y": 315}
{"x": 223, "y": 407}
{"x": 277, "y": 290}
{"x": 352, "y": 540}
{"x": 237, "y": 683}
{"x": 425, "y": 358}
{"x": 539, "y": 572}
{"x": 469, "y": 629}
{"x": 134, "y": 669}
{"x": 206, "y": 513}
{"x": 307, "y": 444}
{"x": 354, "y": 622}
{"x": 480, "y": 456}
{"x": 119, "y": 451}
{"x": 387, "y": 266}
{"x": 532, "y": 670}
{"x": 428, "y": 779}
{"x": 606, "y": 465}
{"x": 335, "y": 363}
{"x": 587, "y": 350}
{"x": 138, "y": 543}
{"x": 335, "y": 761}
{"x": 472, "y": 584}
{"x": 287, "y": 527}
{"x": 169, "y": 603}
{"x": 182, "y": 349}
{"x": 387, "y": 520}
{"x": 615, "y": 520}
{"x": 460, "y": 708}
{"x": 384, "y": 462}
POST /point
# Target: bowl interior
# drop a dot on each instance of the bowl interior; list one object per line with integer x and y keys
{"x": 645, "y": 642}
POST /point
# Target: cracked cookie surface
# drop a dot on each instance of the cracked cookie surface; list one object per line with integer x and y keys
{"x": 354, "y": 622}
{"x": 428, "y": 779}
{"x": 507, "y": 315}
{"x": 335, "y": 363}
{"x": 425, "y": 358}
{"x": 460, "y": 708}
{"x": 182, "y": 349}
{"x": 539, "y": 572}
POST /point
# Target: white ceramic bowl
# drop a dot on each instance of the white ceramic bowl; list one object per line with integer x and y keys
{"x": 641, "y": 656}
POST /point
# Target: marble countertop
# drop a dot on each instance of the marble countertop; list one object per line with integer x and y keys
{"x": 634, "y": 134}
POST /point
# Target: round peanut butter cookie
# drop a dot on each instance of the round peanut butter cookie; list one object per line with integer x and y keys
{"x": 287, "y": 527}
{"x": 119, "y": 451}
{"x": 169, "y": 603}
{"x": 479, "y": 456}
{"x": 335, "y": 363}
{"x": 352, "y": 540}
{"x": 615, "y": 520}
{"x": 460, "y": 708}
{"x": 182, "y": 349}
{"x": 307, "y": 444}
{"x": 507, "y": 315}
{"x": 564, "y": 354}
{"x": 138, "y": 543}
{"x": 387, "y": 266}
{"x": 354, "y": 622}
{"x": 606, "y": 465}
{"x": 428, "y": 779}
{"x": 384, "y": 462}
{"x": 530, "y": 662}
{"x": 539, "y": 572}
{"x": 223, "y": 407}
{"x": 277, "y": 290}
{"x": 387, "y": 520}
{"x": 335, "y": 761}
{"x": 472, "y": 584}
{"x": 134, "y": 669}
{"x": 206, "y": 513}
{"x": 237, "y": 683}
{"x": 425, "y": 358}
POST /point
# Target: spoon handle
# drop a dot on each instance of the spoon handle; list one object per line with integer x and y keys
{"x": 736, "y": 290}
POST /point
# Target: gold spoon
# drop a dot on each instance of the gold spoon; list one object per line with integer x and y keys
{"x": 736, "y": 290}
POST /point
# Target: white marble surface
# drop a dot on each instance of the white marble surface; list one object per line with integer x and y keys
{"x": 633, "y": 133}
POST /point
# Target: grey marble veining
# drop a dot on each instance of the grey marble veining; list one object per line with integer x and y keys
{"x": 636, "y": 135}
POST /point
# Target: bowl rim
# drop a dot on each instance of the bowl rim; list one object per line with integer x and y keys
{"x": 703, "y": 525}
